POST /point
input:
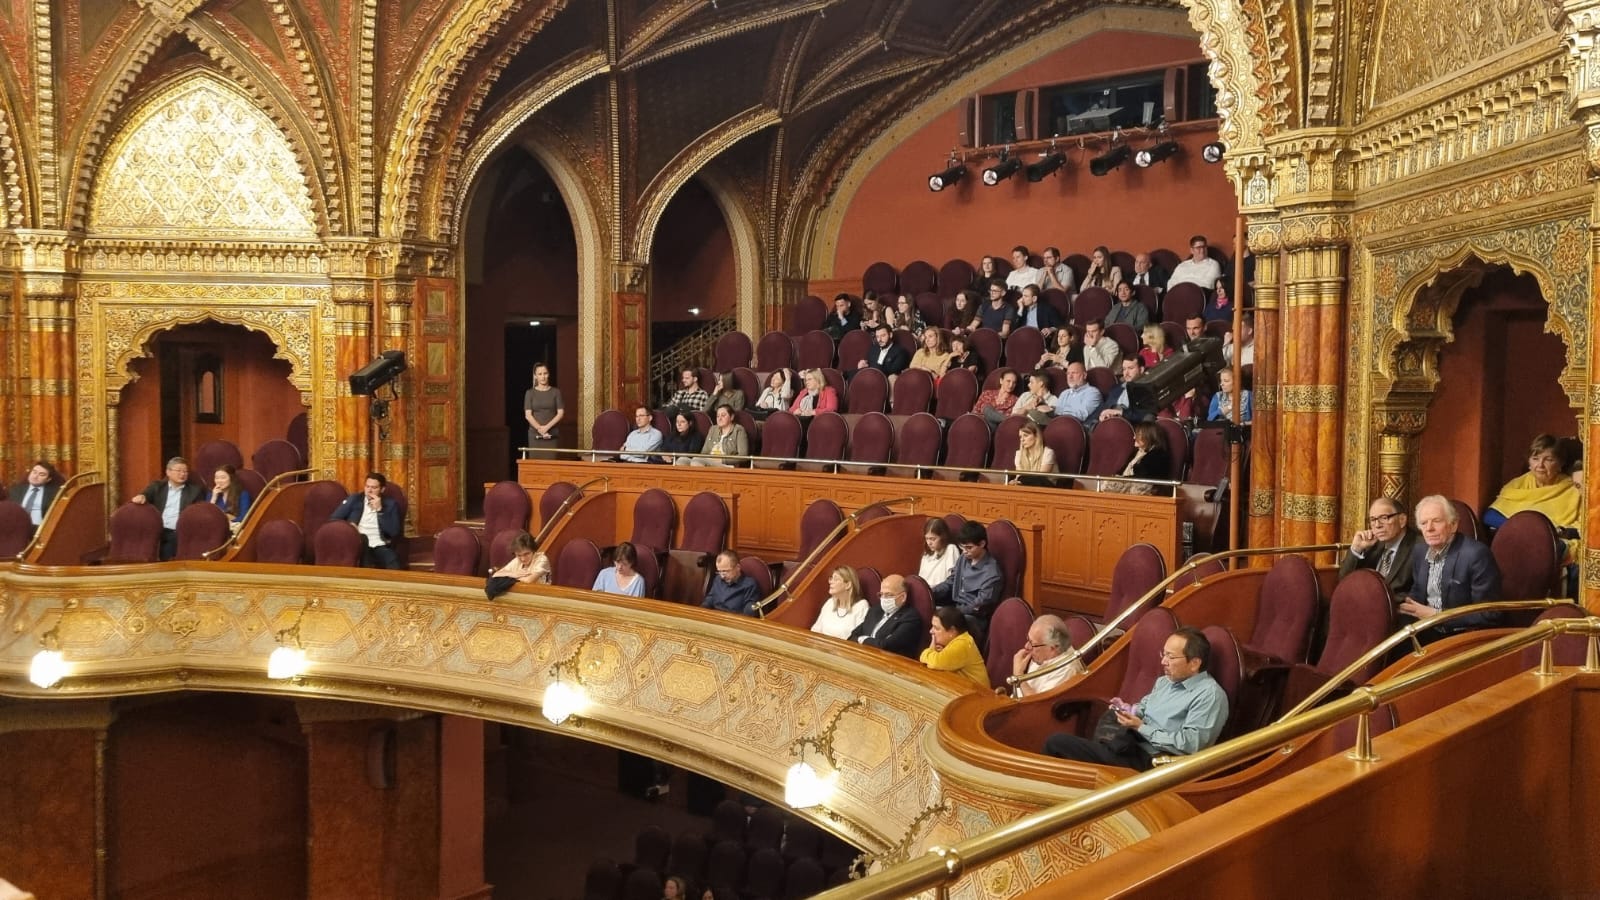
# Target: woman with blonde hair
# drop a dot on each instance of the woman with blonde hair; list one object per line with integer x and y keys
{"x": 818, "y": 396}
{"x": 845, "y": 607}
{"x": 933, "y": 356}
{"x": 1155, "y": 346}
{"x": 1033, "y": 456}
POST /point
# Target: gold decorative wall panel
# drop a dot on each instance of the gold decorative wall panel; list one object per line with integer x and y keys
{"x": 1421, "y": 43}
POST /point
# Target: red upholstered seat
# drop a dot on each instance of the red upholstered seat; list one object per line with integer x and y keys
{"x": 1226, "y": 665}
{"x": 456, "y": 551}
{"x": 577, "y": 565}
{"x": 648, "y": 565}
{"x": 966, "y": 446}
{"x": 780, "y": 438}
{"x": 213, "y": 455}
{"x": 825, "y": 440}
{"x": 1570, "y": 649}
{"x": 871, "y": 443}
{"x": 871, "y": 580}
{"x": 809, "y": 315}
{"x": 1103, "y": 379}
{"x": 253, "y": 483}
{"x": 732, "y": 350}
{"x": 920, "y": 596}
{"x": 655, "y": 518}
{"x": 866, "y": 392}
{"x": 1069, "y": 440}
{"x": 1003, "y": 452}
{"x": 913, "y": 393}
{"x": 1139, "y": 569}
{"x": 953, "y": 276}
{"x": 956, "y": 394}
{"x": 506, "y": 507}
{"x": 1008, "y": 633}
{"x": 814, "y": 350}
{"x": 1023, "y": 348}
{"x": 918, "y": 276}
{"x": 202, "y": 527}
{"x": 1152, "y": 302}
{"x": 1125, "y": 337}
{"x": 1529, "y": 555}
{"x": 1110, "y": 447}
{"x": 931, "y": 308}
{"x": 1286, "y": 608}
{"x": 853, "y": 348}
{"x": 835, "y": 379}
{"x": 274, "y": 458}
{"x": 1183, "y": 301}
{"x": 916, "y": 443}
{"x": 402, "y": 544}
{"x": 336, "y": 544}
{"x": 555, "y": 494}
{"x": 775, "y": 351}
{"x": 610, "y": 429}
{"x": 16, "y": 529}
{"x": 1165, "y": 259}
{"x": 498, "y": 550}
{"x": 749, "y": 383}
{"x": 1079, "y": 631}
{"x": 281, "y": 541}
{"x": 135, "y": 534}
{"x": 298, "y": 434}
{"x": 1091, "y": 305}
{"x": 987, "y": 344}
{"x": 1173, "y": 331}
{"x": 1360, "y": 615}
{"x": 1177, "y": 445}
{"x": 1058, "y": 300}
{"x": 1467, "y": 520}
{"x": 759, "y": 571}
{"x": 880, "y": 277}
{"x": 1005, "y": 545}
{"x": 705, "y": 524}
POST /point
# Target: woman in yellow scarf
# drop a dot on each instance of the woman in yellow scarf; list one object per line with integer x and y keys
{"x": 1546, "y": 488}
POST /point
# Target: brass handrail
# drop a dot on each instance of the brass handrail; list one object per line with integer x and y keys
{"x": 1409, "y": 633}
{"x": 723, "y": 462}
{"x": 274, "y": 484}
{"x": 940, "y": 866}
{"x": 1114, "y": 627}
{"x": 577, "y": 492}
{"x": 825, "y": 543}
{"x": 70, "y": 484}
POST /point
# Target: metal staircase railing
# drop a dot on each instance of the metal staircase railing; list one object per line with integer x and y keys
{"x": 693, "y": 351}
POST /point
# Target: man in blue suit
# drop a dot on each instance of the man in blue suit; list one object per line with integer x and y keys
{"x": 1454, "y": 571}
{"x": 377, "y": 518}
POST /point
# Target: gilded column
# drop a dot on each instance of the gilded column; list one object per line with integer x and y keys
{"x": 1311, "y": 383}
{"x": 784, "y": 294}
{"x": 394, "y": 448}
{"x": 629, "y": 327}
{"x": 354, "y": 291}
{"x": 45, "y": 388}
{"x": 1265, "y": 240}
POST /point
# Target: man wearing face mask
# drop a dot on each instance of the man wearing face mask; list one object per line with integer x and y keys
{"x": 894, "y": 624}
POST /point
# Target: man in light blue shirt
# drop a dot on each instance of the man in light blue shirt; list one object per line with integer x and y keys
{"x": 1079, "y": 399}
{"x": 1183, "y": 714}
{"x": 644, "y": 438}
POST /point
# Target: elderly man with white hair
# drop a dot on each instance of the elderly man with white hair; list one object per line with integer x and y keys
{"x": 1453, "y": 571}
{"x": 1048, "y": 642}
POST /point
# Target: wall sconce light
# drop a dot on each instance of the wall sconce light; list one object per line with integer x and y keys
{"x": 803, "y": 788}
{"x": 49, "y": 666}
{"x": 566, "y": 696}
{"x": 1000, "y": 171}
{"x": 1213, "y": 152}
{"x": 863, "y": 865}
{"x": 1149, "y": 156}
{"x": 289, "y": 659}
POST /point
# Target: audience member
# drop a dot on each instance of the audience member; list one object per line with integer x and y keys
{"x": 1183, "y": 714}
{"x": 998, "y": 314}
{"x": 933, "y": 356}
{"x": 1155, "y": 350}
{"x": 1128, "y": 310}
{"x": 845, "y": 607}
{"x": 1220, "y": 307}
{"x": 1147, "y": 274}
{"x": 1199, "y": 269}
{"x": 962, "y": 356}
{"x": 172, "y": 495}
{"x": 229, "y": 495}
{"x": 974, "y": 583}
{"x": 377, "y": 518}
{"x": 1022, "y": 272}
{"x": 38, "y": 491}
{"x": 1064, "y": 349}
{"x": 939, "y": 557}
{"x": 674, "y": 888}
{"x": 893, "y": 625}
{"x": 871, "y": 311}
{"x": 1037, "y": 403}
{"x": 684, "y": 438}
{"x": 731, "y": 590}
{"x": 727, "y": 393}
{"x": 644, "y": 439}
{"x": 1452, "y": 571}
{"x": 962, "y": 315}
{"x": 527, "y": 566}
{"x": 1151, "y": 459}
{"x": 1032, "y": 456}
{"x": 988, "y": 272}
{"x": 954, "y": 649}
{"x": 1194, "y": 328}
{"x": 776, "y": 395}
{"x": 886, "y": 356}
{"x": 1032, "y": 313}
{"x": 689, "y": 397}
{"x": 997, "y": 402}
{"x": 1048, "y": 642}
{"x": 1246, "y": 342}
{"x": 906, "y": 317}
{"x": 621, "y": 577}
{"x": 726, "y": 442}
{"x": 1057, "y": 274}
{"x": 1117, "y": 404}
{"x": 817, "y": 397}
{"x": 1222, "y": 400}
{"x": 541, "y": 406}
{"x": 1386, "y": 545}
{"x": 1099, "y": 351}
{"x": 843, "y": 319}
{"x": 1079, "y": 399}
{"x": 1545, "y": 488}
{"x": 1103, "y": 273}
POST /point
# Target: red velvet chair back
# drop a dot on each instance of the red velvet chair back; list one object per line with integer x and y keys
{"x": 866, "y": 392}
{"x": 554, "y": 495}
{"x": 322, "y": 498}
{"x": 337, "y": 544}
{"x": 809, "y": 314}
{"x": 1023, "y": 348}
{"x": 1360, "y": 615}
{"x": 986, "y": 343}
{"x": 1110, "y": 447}
{"x": 913, "y": 392}
{"x": 506, "y": 507}
{"x": 1183, "y": 301}
{"x": 609, "y": 430}
{"x": 1139, "y": 568}
{"x": 871, "y": 443}
{"x": 918, "y": 276}
{"x": 1069, "y": 440}
{"x": 967, "y": 443}
{"x": 281, "y": 541}
{"x": 825, "y": 440}
{"x": 202, "y": 527}
{"x": 705, "y": 524}
{"x": 1126, "y": 338}
{"x": 253, "y": 484}
{"x": 780, "y": 438}
{"x": 1008, "y": 633}
{"x": 775, "y": 351}
{"x": 1286, "y": 609}
{"x": 1003, "y": 446}
{"x": 135, "y": 534}
{"x": 298, "y": 434}
{"x": 853, "y": 348}
{"x": 16, "y": 529}
{"x": 1145, "y": 646}
{"x": 732, "y": 350}
{"x": 1529, "y": 555}
{"x": 577, "y": 565}
{"x": 954, "y": 276}
{"x": 213, "y": 455}
{"x": 917, "y": 440}
{"x": 1226, "y": 665}
{"x": 815, "y": 351}
{"x": 1005, "y": 545}
{"x": 274, "y": 458}
{"x": 456, "y": 551}
{"x": 1177, "y": 445}
{"x": 1210, "y": 463}
{"x": 880, "y": 277}
{"x": 956, "y": 394}
{"x": 920, "y": 596}
{"x": 655, "y": 517}
{"x": 817, "y": 522}
{"x": 759, "y": 571}
{"x": 1091, "y": 305}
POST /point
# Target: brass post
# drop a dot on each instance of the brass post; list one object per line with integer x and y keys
{"x": 1362, "y": 751}
{"x": 1547, "y": 657}
{"x": 1591, "y": 659}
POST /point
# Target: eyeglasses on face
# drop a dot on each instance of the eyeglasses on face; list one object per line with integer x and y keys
{"x": 1380, "y": 519}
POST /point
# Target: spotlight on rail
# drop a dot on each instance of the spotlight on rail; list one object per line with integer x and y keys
{"x": 1213, "y": 152}
{"x": 1000, "y": 171}
{"x": 1109, "y": 160}
{"x": 1149, "y": 156}
{"x": 1046, "y": 165}
{"x": 941, "y": 180}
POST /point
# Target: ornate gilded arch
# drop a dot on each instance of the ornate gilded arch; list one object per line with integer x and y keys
{"x": 664, "y": 186}
{"x": 15, "y": 194}
{"x": 130, "y": 331}
{"x": 747, "y": 248}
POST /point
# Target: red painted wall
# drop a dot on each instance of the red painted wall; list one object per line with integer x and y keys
{"x": 895, "y": 218}
{"x": 691, "y": 260}
{"x": 1498, "y": 388}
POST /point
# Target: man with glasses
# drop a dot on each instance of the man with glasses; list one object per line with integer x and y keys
{"x": 643, "y": 439}
{"x": 893, "y": 624}
{"x": 1199, "y": 269}
{"x": 732, "y": 590}
{"x": 1384, "y": 546}
{"x": 1183, "y": 714}
{"x": 1048, "y": 641}
{"x": 974, "y": 584}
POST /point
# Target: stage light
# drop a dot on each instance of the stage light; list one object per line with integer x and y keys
{"x": 941, "y": 180}
{"x": 1109, "y": 160}
{"x": 1046, "y": 165}
{"x": 1149, "y": 156}
{"x": 1000, "y": 171}
{"x": 1213, "y": 152}
{"x": 386, "y": 368}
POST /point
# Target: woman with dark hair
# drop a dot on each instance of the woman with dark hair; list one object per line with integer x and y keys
{"x": 1151, "y": 459}
{"x": 682, "y": 437}
{"x": 871, "y": 311}
{"x": 997, "y": 402}
{"x": 953, "y": 649}
{"x": 1065, "y": 349}
{"x": 939, "y": 557}
{"x": 1103, "y": 273}
{"x": 229, "y": 494}
{"x": 1219, "y": 306}
{"x": 963, "y": 356}
{"x": 726, "y": 441}
{"x": 727, "y": 393}
{"x": 620, "y": 577}
{"x": 905, "y": 317}
{"x": 962, "y": 314}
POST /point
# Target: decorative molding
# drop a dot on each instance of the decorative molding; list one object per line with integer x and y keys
{"x": 1311, "y": 398}
{"x": 1310, "y": 508}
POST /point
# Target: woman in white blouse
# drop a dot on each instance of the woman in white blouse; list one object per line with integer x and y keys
{"x": 940, "y": 556}
{"x": 845, "y": 608}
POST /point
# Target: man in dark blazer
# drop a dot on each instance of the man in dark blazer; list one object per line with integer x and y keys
{"x": 1386, "y": 546}
{"x": 886, "y": 356}
{"x": 1450, "y": 570}
{"x": 39, "y": 491}
{"x": 1031, "y": 310}
{"x": 893, "y": 624}
{"x": 171, "y": 495}
{"x": 843, "y": 319}
{"x": 1146, "y": 272}
{"x": 377, "y": 518}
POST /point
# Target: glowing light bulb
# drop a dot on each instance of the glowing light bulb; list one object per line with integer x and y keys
{"x": 47, "y": 668}
{"x": 562, "y": 701}
{"x": 804, "y": 788}
{"x": 287, "y": 662}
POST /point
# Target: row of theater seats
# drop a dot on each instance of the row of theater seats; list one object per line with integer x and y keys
{"x": 271, "y": 459}
{"x": 920, "y": 276}
{"x": 1021, "y": 349}
{"x": 875, "y": 443}
{"x": 770, "y": 853}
